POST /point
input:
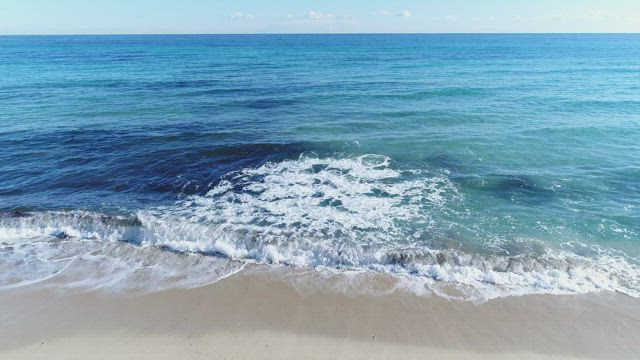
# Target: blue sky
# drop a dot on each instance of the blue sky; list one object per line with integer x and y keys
{"x": 302, "y": 16}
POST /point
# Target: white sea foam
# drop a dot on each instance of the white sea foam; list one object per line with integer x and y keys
{"x": 310, "y": 211}
{"x": 337, "y": 215}
{"x": 84, "y": 250}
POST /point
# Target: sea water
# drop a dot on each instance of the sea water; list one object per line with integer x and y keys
{"x": 495, "y": 164}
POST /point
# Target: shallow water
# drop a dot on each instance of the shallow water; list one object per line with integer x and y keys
{"x": 501, "y": 164}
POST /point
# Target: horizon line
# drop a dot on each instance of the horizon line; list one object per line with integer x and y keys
{"x": 330, "y": 33}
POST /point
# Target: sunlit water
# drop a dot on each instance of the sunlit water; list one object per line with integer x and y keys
{"x": 495, "y": 164}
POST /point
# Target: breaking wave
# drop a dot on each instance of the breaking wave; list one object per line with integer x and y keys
{"x": 332, "y": 214}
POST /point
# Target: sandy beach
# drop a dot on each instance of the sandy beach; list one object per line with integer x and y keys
{"x": 256, "y": 314}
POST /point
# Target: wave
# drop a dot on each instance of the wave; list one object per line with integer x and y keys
{"x": 87, "y": 250}
{"x": 332, "y": 214}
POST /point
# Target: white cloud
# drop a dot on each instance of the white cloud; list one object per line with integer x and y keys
{"x": 383, "y": 13}
{"x": 241, "y": 15}
{"x": 321, "y": 21}
{"x": 403, "y": 13}
{"x": 315, "y": 15}
{"x": 406, "y": 13}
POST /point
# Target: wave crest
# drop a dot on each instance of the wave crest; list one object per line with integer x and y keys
{"x": 334, "y": 214}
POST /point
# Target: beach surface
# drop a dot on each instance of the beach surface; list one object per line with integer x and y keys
{"x": 258, "y": 314}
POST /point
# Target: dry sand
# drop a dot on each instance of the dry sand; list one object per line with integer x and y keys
{"x": 254, "y": 315}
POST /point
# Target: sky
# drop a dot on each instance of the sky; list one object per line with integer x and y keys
{"x": 305, "y": 16}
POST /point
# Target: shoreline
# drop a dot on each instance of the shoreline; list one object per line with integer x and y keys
{"x": 253, "y": 314}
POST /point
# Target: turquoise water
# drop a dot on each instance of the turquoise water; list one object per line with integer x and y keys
{"x": 496, "y": 164}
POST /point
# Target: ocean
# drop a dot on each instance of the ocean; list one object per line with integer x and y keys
{"x": 486, "y": 165}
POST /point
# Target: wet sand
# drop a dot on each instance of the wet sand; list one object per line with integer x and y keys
{"x": 253, "y": 314}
